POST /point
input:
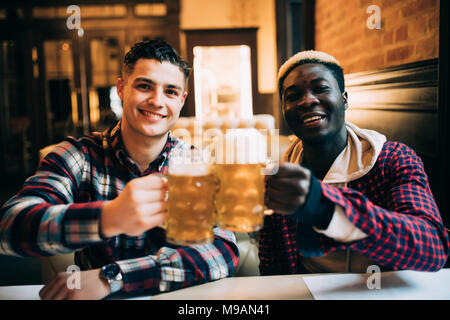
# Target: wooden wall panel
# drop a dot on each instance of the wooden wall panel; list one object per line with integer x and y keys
{"x": 402, "y": 103}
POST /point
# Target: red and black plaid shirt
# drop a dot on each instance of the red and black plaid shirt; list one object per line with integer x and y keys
{"x": 58, "y": 211}
{"x": 392, "y": 204}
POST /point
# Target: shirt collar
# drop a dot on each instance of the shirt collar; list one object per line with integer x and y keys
{"x": 124, "y": 158}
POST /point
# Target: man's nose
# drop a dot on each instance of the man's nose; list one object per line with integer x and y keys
{"x": 309, "y": 99}
{"x": 157, "y": 97}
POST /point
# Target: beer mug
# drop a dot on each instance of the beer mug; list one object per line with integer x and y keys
{"x": 240, "y": 168}
{"x": 192, "y": 188}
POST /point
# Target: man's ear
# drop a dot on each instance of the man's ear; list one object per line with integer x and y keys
{"x": 183, "y": 98}
{"x": 120, "y": 86}
{"x": 345, "y": 97}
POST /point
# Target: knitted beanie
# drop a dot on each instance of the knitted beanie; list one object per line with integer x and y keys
{"x": 311, "y": 56}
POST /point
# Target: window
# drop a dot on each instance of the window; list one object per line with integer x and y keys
{"x": 219, "y": 92}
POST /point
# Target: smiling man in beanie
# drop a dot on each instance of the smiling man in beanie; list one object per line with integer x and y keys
{"x": 344, "y": 197}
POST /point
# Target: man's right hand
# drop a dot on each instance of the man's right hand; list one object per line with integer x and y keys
{"x": 288, "y": 188}
{"x": 140, "y": 206}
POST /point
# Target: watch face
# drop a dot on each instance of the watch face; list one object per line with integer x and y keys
{"x": 110, "y": 271}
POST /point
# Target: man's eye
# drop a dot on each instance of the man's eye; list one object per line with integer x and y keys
{"x": 292, "y": 97}
{"x": 143, "y": 86}
{"x": 172, "y": 92}
{"x": 321, "y": 89}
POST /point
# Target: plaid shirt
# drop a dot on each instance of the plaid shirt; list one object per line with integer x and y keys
{"x": 392, "y": 204}
{"x": 58, "y": 211}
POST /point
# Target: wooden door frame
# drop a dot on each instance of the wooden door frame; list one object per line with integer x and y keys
{"x": 222, "y": 37}
{"x": 443, "y": 113}
{"x": 284, "y": 45}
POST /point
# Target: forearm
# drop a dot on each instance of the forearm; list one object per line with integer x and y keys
{"x": 33, "y": 227}
{"x": 402, "y": 236}
{"x": 177, "y": 267}
{"x": 46, "y": 217}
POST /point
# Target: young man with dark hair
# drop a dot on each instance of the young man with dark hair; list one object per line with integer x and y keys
{"x": 344, "y": 198}
{"x": 101, "y": 195}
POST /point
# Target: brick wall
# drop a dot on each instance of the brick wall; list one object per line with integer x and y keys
{"x": 409, "y": 32}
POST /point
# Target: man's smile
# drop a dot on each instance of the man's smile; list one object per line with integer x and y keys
{"x": 152, "y": 115}
{"x": 313, "y": 119}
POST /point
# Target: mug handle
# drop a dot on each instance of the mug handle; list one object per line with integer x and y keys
{"x": 270, "y": 168}
{"x": 166, "y": 198}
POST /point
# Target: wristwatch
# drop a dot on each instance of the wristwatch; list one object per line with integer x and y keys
{"x": 111, "y": 273}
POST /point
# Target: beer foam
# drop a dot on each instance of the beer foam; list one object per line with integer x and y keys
{"x": 189, "y": 169}
{"x": 243, "y": 146}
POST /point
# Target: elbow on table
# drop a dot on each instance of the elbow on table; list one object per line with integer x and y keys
{"x": 434, "y": 260}
{"x": 443, "y": 252}
{"x": 434, "y": 256}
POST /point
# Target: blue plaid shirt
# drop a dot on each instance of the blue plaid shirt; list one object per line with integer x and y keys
{"x": 58, "y": 211}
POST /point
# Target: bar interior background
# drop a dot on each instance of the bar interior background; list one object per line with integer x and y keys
{"x": 55, "y": 82}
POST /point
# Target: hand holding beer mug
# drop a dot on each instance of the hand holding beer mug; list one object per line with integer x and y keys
{"x": 192, "y": 187}
{"x": 241, "y": 171}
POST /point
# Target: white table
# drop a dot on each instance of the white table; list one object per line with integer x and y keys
{"x": 402, "y": 285}
{"x": 20, "y": 292}
{"x": 281, "y": 287}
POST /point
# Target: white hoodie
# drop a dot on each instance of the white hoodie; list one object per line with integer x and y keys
{"x": 356, "y": 160}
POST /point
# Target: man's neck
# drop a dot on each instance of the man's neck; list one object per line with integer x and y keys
{"x": 320, "y": 157}
{"x": 142, "y": 149}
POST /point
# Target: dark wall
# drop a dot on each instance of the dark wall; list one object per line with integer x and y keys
{"x": 402, "y": 103}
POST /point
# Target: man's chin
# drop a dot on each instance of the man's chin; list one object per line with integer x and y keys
{"x": 314, "y": 139}
{"x": 155, "y": 134}
{"x": 153, "y": 131}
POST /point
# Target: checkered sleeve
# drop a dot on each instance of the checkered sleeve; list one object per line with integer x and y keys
{"x": 181, "y": 266}
{"x": 271, "y": 252}
{"x": 42, "y": 218}
{"x": 402, "y": 221}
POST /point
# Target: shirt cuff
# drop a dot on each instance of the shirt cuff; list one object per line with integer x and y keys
{"x": 317, "y": 209}
{"x": 340, "y": 228}
{"x": 140, "y": 274}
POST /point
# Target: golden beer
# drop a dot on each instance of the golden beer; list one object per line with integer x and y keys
{"x": 190, "y": 216}
{"x": 240, "y": 201}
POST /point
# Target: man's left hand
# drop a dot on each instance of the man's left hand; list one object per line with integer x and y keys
{"x": 92, "y": 287}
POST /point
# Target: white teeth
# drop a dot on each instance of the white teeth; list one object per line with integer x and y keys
{"x": 152, "y": 115}
{"x": 312, "y": 119}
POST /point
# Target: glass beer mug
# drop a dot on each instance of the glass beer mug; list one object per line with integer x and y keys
{"x": 192, "y": 187}
{"x": 240, "y": 169}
